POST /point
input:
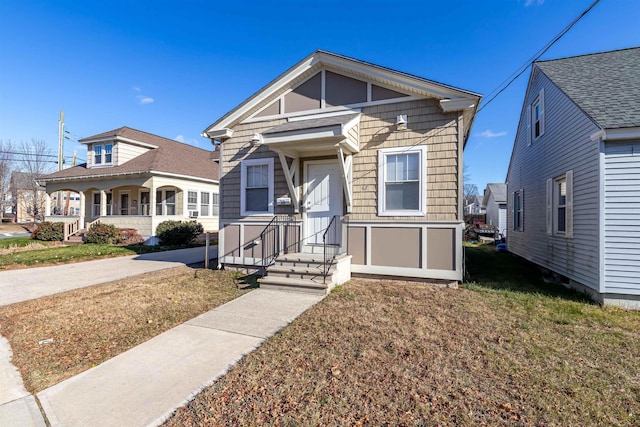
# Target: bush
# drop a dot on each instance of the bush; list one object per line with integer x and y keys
{"x": 48, "y": 231}
{"x": 103, "y": 234}
{"x": 130, "y": 236}
{"x": 178, "y": 232}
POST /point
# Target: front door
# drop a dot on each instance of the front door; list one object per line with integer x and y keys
{"x": 124, "y": 204}
{"x": 323, "y": 200}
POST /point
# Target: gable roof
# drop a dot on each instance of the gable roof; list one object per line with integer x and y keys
{"x": 605, "y": 85}
{"x": 453, "y": 99}
{"x": 499, "y": 191}
{"x": 165, "y": 156}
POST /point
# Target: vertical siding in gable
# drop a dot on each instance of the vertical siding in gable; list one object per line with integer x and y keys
{"x": 622, "y": 218}
{"x": 565, "y": 145}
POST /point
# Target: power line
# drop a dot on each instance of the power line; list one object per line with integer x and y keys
{"x": 20, "y": 153}
{"x": 534, "y": 58}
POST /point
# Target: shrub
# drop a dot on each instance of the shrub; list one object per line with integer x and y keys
{"x": 103, "y": 234}
{"x": 130, "y": 236}
{"x": 48, "y": 231}
{"x": 178, "y": 232}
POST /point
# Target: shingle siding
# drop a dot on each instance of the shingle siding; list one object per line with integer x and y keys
{"x": 565, "y": 145}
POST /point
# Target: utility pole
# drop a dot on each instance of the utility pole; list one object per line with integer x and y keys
{"x": 66, "y": 203}
{"x": 60, "y": 154}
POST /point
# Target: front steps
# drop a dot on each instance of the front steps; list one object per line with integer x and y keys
{"x": 76, "y": 239}
{"x": 303, "y": 272}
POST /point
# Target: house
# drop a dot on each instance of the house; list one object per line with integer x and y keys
{"x": 495, "y": 204}
{"x": 340, "y": 163}
{"x": 473, "y": 206}
{"x": 134, "y": 179}
{"x": 27, "y": 197}
{"x": 573, "y": 184}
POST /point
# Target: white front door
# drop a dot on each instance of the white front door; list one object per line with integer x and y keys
{"x": 322, "y": 200}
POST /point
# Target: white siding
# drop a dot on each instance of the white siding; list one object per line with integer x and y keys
{"x": 564, "y": 146}
{"x": 622, "y": 218}
{"x": 124, "y": 152}
{"x": 497, "y": 215}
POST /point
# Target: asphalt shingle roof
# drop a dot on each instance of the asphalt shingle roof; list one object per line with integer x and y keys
{"x": 604, "y": 85}
{"x": 499, "y": 191}
{"x": 170, "y": 157}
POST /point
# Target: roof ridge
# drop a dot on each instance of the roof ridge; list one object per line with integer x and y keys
{"x": 587, "y": 54}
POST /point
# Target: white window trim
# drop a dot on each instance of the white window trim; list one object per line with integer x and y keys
{"x": 518, "y": 227}
{"x": 422, "y": 203}
{"x": 163, "y": 201}
{"x": 103, "y": 155}
{"x": 552, "y": 206}
{"x": 243, "y": 186}
{"x": 538, "y": 101}
{"x": 200, "y": 204}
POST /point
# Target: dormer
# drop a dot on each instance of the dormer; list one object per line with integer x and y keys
{"x": 113, "y": 148}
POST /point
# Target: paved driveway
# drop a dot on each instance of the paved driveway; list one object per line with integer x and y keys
{"x": 25, "y": 284}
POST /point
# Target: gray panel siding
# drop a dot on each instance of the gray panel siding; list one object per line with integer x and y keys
{"x": 565, "y": 145}
{"x": 622, "y": 218}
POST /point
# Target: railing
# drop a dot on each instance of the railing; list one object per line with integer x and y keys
{"x": 275, "y": 238}
{"x": 332, "y": 231}
{"x": 70, "y": 228}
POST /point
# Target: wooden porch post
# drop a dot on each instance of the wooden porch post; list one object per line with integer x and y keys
{"x": 103, "y": 203}
{"x": 47, "y": 204}
{"x": 82, "y": 209}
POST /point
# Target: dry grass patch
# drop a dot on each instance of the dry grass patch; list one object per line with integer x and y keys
{"x": 401, "y": 353}
{"x": 91, "y": 325}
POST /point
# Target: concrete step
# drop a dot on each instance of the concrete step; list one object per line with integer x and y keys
{"x": 314, "y": 273}
{"x": 293, "y": 285}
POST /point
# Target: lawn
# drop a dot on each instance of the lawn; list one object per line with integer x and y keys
{"x": 91, "y": 325}
{"x": 505, "y": 349}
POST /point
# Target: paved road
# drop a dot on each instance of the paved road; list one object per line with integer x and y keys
{"x": 25, "y": 284}
{"x": 8, "y": 235}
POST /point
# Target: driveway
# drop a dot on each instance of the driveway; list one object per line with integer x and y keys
{"x": 25, "y": 284}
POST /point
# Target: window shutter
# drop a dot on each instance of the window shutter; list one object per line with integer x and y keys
{"x": 569, "y": 205}
{"x": 549, "y": 207}
{"x": 542, "y": 114}
{"x": 529, "y": 125}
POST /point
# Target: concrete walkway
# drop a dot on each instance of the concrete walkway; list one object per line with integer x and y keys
{"x": 144, "y": 385}
{"x": 25, "y": 284}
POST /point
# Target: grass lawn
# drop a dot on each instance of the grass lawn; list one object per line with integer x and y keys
{"x": 91, "y": 325}
{"x": 506, "y": 349}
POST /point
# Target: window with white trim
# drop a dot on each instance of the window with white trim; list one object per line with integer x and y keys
{"x": 536, "y": 118}
{"x": 192, "y": 201}
{"x": 256, "y": 183}
{"x": 204, "y": 203}
{"x": 97, "y": 154}
{"x": 402, "y": 181}
{"x": 518, "y": 210}
{"x": 165, "y": 202}
{"x": 108, "y": 156}
{"x": 102, "y": 154}
{"x": 560, "y": 205}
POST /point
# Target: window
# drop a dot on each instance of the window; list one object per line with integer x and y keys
{"x": 165, "y": 202}
{"x": 107, "y": 153}
{"x": 95, "y": 205}
{"x": 97, "y": 154}
{"x": 560, "y": 205}
{"x": 401, "y": 181}
{"x": 535, "y": 118}
{"x": 216, "y": 205}
{"x": 518, "y": 211}
{"x": 204, "y": 203}
{"x": 256, "y": 182}
{"x": 192, "y": 201}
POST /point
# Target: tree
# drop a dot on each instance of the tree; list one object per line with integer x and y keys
{"x": 6, "y": 167}
{"x": 35, "y": 160}
{"x": 469, "y": 191}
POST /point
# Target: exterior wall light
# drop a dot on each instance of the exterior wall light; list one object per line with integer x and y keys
{"x": 401, "y": 122}
{"x": 256, "y": 139}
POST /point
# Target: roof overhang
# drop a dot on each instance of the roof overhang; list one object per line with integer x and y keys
{"x": 616, "y": 134}
{"x": 116, "y": 138}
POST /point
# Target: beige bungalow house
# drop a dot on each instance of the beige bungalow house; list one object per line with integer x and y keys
{"x": 134, "y": 179}
{"x": 341, "y": 166}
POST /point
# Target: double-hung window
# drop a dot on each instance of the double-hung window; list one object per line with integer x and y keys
{"x": 204, "y": 203}
{"x": 97, "y": 154}
{"x": 192, "y": 201}
{"x": 108, "y": 156}
{"x": 560, "y": 205}
{"x": 256, "y": 183}
{"x": 216, "y": 205}
{"x": 536, "y": 118}
{"x": 518, "y": 211}
{"x": 402, "y": 181}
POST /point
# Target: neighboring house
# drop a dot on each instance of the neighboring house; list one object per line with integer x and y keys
{"x": 28, "y": 197}
{"x": 495, "y": 205}
{"x": 473, "y": 206}
{"x": 573, "y": 184}
{"x": 339, "y": 151}
{"x": 133, "y": 179}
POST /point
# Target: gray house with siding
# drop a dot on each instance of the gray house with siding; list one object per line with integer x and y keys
{"x": 339, "y": 166}
{"x": 573, "y": 185}
{"x": 494, "y": 202}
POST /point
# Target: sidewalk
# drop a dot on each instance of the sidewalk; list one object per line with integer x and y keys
{"x": 25, "y": 284}
{"x": 144, "y": 385}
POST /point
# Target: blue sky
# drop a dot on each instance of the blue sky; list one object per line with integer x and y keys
{"x": 174, "y": 67}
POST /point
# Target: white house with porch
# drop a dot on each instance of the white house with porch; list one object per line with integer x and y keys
{"x": 134, "y": 179}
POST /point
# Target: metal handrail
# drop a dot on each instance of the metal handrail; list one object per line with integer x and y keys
{"x": 326, "y": 266}
{"x": 274, "y": 238}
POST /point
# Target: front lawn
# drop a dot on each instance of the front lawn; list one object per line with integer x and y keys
{"x": 505, "y": 349}
{"x": 91, "y": 325}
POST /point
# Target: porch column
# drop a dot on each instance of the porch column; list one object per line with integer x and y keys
{"x": 152, "y": 200}
{"x": 82, "y": 209}
{"x": 103, "y": 203}
{"x": 47, "y": 204}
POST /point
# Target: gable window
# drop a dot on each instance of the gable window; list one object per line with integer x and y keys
{"x": 402, "y": 181}
{"x": 256, "y": 183}
{"x": 518, "y": 211}
{"x": 535, "y": 118}
{"x": 560, "y": 205}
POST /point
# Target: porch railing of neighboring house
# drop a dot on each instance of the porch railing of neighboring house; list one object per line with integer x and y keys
{"x": 70, "y": 228}
{"x": 276, "y": 238}
{"x": 330, "y": 237}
